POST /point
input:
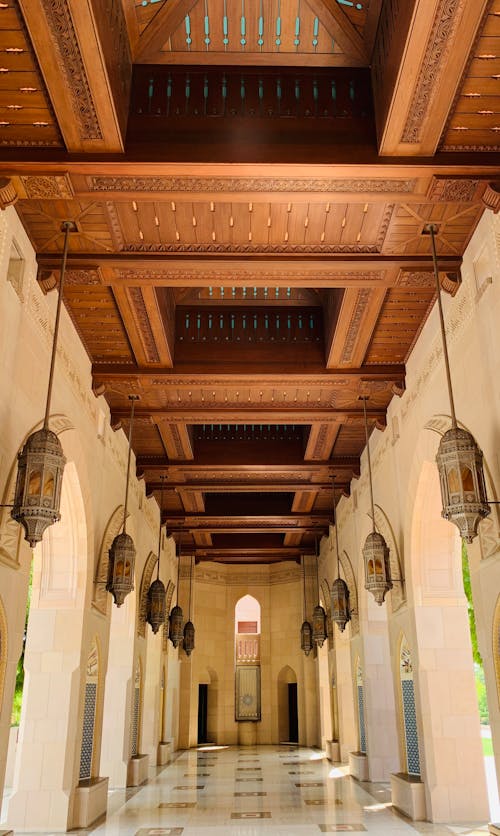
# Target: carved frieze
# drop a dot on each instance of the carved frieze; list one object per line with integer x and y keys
{"x": 47, "y": 186}
{"x": 100, "y": 183}
{"x": 354, "y": 325}
{"x": 453, "y": 190}
{"x": 142, "y": 319}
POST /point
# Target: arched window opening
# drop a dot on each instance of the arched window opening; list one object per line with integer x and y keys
{"x": 247, "y": 657}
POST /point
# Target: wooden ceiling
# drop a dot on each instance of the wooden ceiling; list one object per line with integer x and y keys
{"x": 250, "y": 184}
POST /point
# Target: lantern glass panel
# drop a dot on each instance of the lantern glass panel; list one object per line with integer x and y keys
{"x": 35, "y": 483}
{"x": 48, "y": 487}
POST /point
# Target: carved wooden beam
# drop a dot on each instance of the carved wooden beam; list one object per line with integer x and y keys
{"x": 420, "y": 54}
{"x": 83, "y": 51}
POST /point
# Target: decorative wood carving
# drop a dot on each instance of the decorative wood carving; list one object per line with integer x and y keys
{"x": 453, "y": 190}
{"x": 145, "y": 329}
{"x": 47, "y": 186}
{"x": 491, "y": 197}
{"x": 100, "y": 183}
{"x": 8, "y": 194}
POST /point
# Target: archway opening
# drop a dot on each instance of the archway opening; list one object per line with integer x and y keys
{"x": 288, "y": 717}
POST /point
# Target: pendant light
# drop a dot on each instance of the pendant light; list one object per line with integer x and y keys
{"x": 459, "y": 459}
{"x": 176, "y": 617}
{"x": 375, "y": 551}
{"x": 122, "y": 552}
{"x": 40, "y": 467}
{"x": 188, "y": 639}
{"x": 319, "y": 615}
{"x": 306, "y": 643}
{"x": 157, "y": 604}
{"x": 341, "y": 612}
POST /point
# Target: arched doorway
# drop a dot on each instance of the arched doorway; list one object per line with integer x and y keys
{"x": 288, "y": 717}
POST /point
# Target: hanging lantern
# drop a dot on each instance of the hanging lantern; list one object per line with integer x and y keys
{"x": 121, "y": 563}
{"x": 319, "y": 625}
{"x": 463, "y": 490}
{"x": 459, "y": 459}
{"x": 38, "y": 487}
{"x": 188, "y": 639}
{"x": 306, "y": 642}
{"x": 157, "y": 603}
{"x": 377, "y": 568}
{"x": 375, "y": 551}
{"x": 175, "y": 632}
{"x": 341, "y": 613}
{"x": 37, "y": 497}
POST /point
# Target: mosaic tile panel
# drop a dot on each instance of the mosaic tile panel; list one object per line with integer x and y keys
{"x": 88, "y": 730}
{"x": 361, "y": 717}
{"x": 410, "y": 722}
{"x": 134, "y": 734}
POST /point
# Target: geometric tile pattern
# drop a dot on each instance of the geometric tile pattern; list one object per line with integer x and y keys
{"x": 361, "y": 716}
{"x": 410, "y": 723}
{"x": 88, "y": 730}
{"x": 134, "y": 736}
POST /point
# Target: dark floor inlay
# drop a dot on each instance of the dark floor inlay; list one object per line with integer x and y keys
{"x": 322, "y": 802}
{"x": 302, "y": 772}
{"x": 191, "y": 787}
{"x": 250, "y": 815}
{"x": 245, "y": 794}
{"x": 196, "y": 775}
{"x": 239, "y": 780}
{"x": 177, "y": 804}
{"x": 160, "y": 831}
{"x": 291, "y": 763}
{"x": 311, "y": 784}
{"x": 342, "y": 828}
{"x": 248, "y": 769}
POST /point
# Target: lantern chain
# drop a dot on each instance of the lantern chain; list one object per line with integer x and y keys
{"x": 364, "y": 399}
{"x": 432, "y": 229}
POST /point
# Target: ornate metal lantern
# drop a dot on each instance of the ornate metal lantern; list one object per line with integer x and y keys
{"x": 341, "y": 612}
{"x": 377, "y": 568}
{"x": 175, "y": 632}
{"x": 319, "y": 633}
{"x": 157, "y": 603}
{"x": 121, "y": 562}
{"x": 319, "y": 625}
{"x": 463, "y": 490}
{"x": 38, "y": 487}
{"x": 375, "y": 551}
{"x": 306, "y": 641}
{"x": 459, "y": 459}
{"x": 37, "y": 497}
{"x": 188, "y": 638}
{"x": 306, "y": 631}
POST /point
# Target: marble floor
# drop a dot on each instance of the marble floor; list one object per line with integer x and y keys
{"x": 258, "y": 791}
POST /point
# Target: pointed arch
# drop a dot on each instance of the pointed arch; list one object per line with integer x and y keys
{"x": 142, "y": 609}
{"x": 100, "y": 597}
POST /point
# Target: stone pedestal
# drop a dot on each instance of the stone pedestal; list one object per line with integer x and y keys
{"x": 91, "y": 801}
{"x": 247, "y": 733}
{"x": 408, "y": 795}
{"x": 333, "y": 751}
{"x": 137, "y": 770}
{"x": 164, "y": 754}
{"x": 358, "y": 766}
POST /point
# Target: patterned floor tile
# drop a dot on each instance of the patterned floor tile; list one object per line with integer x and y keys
{"x": 250, "y": 815}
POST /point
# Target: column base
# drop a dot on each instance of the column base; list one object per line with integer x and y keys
{"x": 164, "y": 754}
{"x": 137, "y": 770}
{"x": 333, "y": 750}
{"x": 91, "y": 801}
{"x": 247, "y": 733}
{"x": 408, "y": 795}
{"x": 358, "y": 766}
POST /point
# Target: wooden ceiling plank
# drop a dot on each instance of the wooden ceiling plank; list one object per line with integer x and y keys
{"x": 91, "y": 107}
{"x": 164, "y": 341}
{"x": 412, "y": 105}
{"x": 125, "y": 308}
{"x": 203, "y": 539}
{"x": 255, "y": 59}
{"x": 340, "y": 28}
{"x": 193, "y": 502}
{"x": 292, "y": 538}
{"x": 160, "y": 28}
{"x": 235, "y": 374}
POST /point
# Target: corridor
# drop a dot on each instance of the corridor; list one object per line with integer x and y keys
{"x": 230, "y": 791}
